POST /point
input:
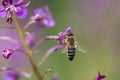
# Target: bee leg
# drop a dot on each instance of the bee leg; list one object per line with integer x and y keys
{"x": 65, "y": 49}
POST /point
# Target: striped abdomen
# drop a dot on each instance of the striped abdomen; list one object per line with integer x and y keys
{"x": 71, "y": 52}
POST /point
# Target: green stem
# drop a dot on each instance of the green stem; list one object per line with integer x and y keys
{"x": 27, "y": 49}
{"x": 28, "y": 25}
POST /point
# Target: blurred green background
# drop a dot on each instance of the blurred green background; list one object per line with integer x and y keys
{"x": 96, "y": 26}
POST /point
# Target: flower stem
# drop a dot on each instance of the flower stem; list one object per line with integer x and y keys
{"x": 9, "y": 39}
{"x": 28, "y": 24}
{"x": 28, "y": 51}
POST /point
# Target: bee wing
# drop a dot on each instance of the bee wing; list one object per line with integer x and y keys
{"x": 80, "y": 48}
{"x": 65, "y": 49}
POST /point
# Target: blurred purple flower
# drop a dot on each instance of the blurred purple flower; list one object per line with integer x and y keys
{"x": 43, "y": 17}
{"x": 30, "y": 39}
{"x": 60, "y": 38}
{"x": 7, "y": 53}
{"x": 11, "y": 75}
{"x": 100, "y": 77}
{"x": 54, "y": 77}
{"x": 10, "y": 6}
{"x": 15, "y": 73}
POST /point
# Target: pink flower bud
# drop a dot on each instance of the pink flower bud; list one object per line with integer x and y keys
{"x": 7, "y": 53}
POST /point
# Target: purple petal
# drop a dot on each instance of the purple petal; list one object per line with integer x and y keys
{"x": 30, "y": 39}
{"x": 38, "y": 24}
{"x": 4, "y": 2}
{"x": 102, "y": 76}
{"x": 46, "y": 9}
{"x": 14, "y": 73}
{"x": 53, "y": 49}
{"x": 11, "y": 75}
{"x": 21, "y": 12}
{"x": 62, "y": 36}
{"x": 68, "y": 30}
{"x": 49, "y": 22}
{"x": 24, "y": 4}
{"x": 17, "y": 1}
{"x": 99, "y": 77}
{"x": 11, "y": 1}
{"x": 2, "y": 12}
{"x": 38, "y": 11}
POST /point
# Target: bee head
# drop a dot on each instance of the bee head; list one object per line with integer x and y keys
{"x": 70, "y": 34}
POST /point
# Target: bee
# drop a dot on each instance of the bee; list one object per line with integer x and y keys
{"x": 71, "y": 46}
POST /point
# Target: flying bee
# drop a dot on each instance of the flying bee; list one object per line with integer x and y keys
{"x": 71, "y": 46}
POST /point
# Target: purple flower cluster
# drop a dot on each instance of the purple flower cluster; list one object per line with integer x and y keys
{"x": 42, "y": 18}
{"x": 61, "y": 40}
{"x": 9, "y": 7}
{"x": 30, "y": 40}
{"x": 14, "y": 73}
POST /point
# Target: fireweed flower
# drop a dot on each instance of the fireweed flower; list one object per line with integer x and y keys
{"x": 6, "y": 53}
{"x": 30, "y": 40}
{"x": 43, "y": 17}
{"x": 10, "y": 6}
{"x": 61, "y": 40}
{"x": 14, "y": 73}
{"x": 11, "y": 75}
{"x": 100, "y": 77}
